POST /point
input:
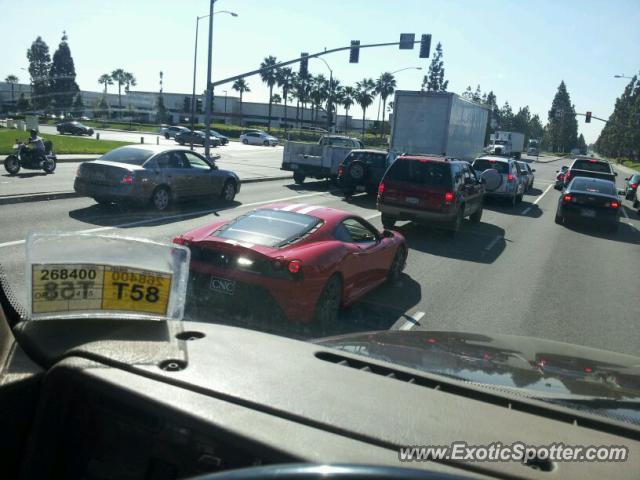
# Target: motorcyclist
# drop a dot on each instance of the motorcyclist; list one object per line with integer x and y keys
{"x": 37, "y": 149}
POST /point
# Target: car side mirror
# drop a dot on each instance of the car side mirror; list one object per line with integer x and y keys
{"x": 213, "y": 167}
{"x": 387, "y": 233}
{"x": 627, "y": 178}
{"x": 615, "y": 173}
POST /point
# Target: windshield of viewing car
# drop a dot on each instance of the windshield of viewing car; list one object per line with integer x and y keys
{"x": 267, "y": 227}
{"x": 139, "y": 83}
{"x": 482, "y": 165}
{"x": 133, "y": 156}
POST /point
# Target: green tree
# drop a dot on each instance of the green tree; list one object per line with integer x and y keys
{"x": 318, "y": 94}
{"x": 477, "y": 95}
{"x": 285, "y": 78}
{"x": 506, "y": 117}
{"x": 241, "y": 86}
{"x": 536, "y": 130}
{"x": 347, "y": 101}
{"x": 364, "y": 96}
{"x": 302, "y": 90}
{"x": 78, "y": 105}
{"x": 521, "y": 122}
{"x": 562, "y": 127}
{"x": 22, "y": 105}
{"x": 276, "y": 98}
{"x": 385, "y": 86}
{"x": 468, "y": 93}
{"x": 39, "y": 66}
{"x": 62, "y": 76}
{"x": 581, "y": 144}
{"x": 105, "y": 79}
{"x": 122, "y": 78}
{"x": 11, "y": 80}
{"x": 434, "y": 80}
{"x": 269, "y": 77}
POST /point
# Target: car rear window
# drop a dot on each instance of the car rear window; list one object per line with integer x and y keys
{"x": 585, "y": 185}
{"x": 132, "y": 156}
{"x": 423, "y": 172}
{"x": 592, "y": 166}
{"x": 268, "y": 227}
{"x": 482, "y": 165}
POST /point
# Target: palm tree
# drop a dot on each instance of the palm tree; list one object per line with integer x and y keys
{"x": 333, "y": 87}
{"x": 285, "y": 78}
{"x": 364, "y": 96}
{"x": 241, "y": 86}
{"x": 121, "y": 78}
{"x": 385, "y": 86}
{"x": 302, "y": 88}
{"x": 105, "y": 79}
{"x": 318, "y": 94}
{"x": 348, "y": 99}
{"x": 269, "y": 77}
{"x": 12, "y": 80}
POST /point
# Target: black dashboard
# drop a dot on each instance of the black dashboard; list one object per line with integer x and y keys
{"x": 132, "y": 399}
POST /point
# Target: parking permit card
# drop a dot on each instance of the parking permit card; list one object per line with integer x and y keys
{"x": 57, "y": 288}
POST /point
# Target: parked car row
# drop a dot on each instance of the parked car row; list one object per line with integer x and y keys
{"x": 184, "y": 135}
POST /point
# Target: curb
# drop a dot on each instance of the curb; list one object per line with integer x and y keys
{"x": 43, "y": 197}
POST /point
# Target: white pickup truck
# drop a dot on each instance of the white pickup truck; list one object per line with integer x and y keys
{"x": 317, "y": 160}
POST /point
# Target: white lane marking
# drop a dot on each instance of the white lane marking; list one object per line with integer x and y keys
{"x": 175, "y": 217}
{"x": 372, "y": 216}
{"x": 293, "y": 206}
{"x": 493, "y": 242}
{"x": 535, "y": 202}
{"x": 309, "y": 209}
{"x": 413, "y": 320}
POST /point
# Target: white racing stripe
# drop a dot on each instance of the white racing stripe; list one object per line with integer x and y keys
{"x": 292, "y": 207}
{"x": 309, "y": 209}
{"x": 178, "y": 216}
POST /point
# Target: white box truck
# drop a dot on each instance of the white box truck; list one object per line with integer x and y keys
{"x": 437, "y": 123}
{"x": 508, "y": 144}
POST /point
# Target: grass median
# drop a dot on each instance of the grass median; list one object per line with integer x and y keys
{"x": 61, "y": 144}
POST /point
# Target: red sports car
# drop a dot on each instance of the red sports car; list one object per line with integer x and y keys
{"x": 306, "y": 261}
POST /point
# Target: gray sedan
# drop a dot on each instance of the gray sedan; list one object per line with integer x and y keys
{"x": 160, "y": 175}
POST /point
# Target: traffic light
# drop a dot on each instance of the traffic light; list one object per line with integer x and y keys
{"x": 407, "y": 41}
{"x": 587, "y": 118}
{"x": 304, "y": 64}
{"x": 354, "y": 54}
{"x": 425, "y": 46}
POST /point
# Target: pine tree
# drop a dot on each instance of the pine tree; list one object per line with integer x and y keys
{"x": 536, "y": 130}
{"x": 506, "y": 118}
{"x": 477, "y": 95}
{"x": 39, "y": 65}
{"x": 62, "y": 76}
{"x": 621, "y": 135}
{"x": 561, "y": 133}
{"x": 468, "y": 94}
{"x": 582, "y": 145}
{"x": 434, "y": 80}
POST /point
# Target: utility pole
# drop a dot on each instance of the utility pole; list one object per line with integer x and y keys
{"x": 207, "y": 114}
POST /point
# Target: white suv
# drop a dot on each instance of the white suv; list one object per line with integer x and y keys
{"x": 513, "y": 182}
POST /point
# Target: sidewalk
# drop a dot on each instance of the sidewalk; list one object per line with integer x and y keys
{"x": 624, "y": 169}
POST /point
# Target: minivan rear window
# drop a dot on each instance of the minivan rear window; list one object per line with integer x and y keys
{"x": 482, "y": 165}
{"x": 422, "y": 172}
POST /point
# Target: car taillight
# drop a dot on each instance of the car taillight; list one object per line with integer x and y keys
{"x": 510, "y": 177}
{"x": 613, "y": 204}
{"x": 567, "y": 198}
{"x": 294, "y": 266}
{"x": 127, "y": 179}
{"x": 633, "y": 185}
{"x": 448, "y": 197}
{"x": 567, "y": 176}
{"x": 181, "y": 241}
{"x": 339, "y": 172}
{"x": 381, "y": 188}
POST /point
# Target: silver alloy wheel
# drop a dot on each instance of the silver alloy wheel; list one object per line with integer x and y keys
{"x": 229, "y": 191}
{"x": 161, "y": 199}
{"x": 356, "y": 171}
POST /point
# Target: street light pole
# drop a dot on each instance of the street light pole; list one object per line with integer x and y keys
{"x": 623, "y": 76}
{"x": 193, "y": 94}
{"x": 330, "y": 101}
{"x": 207, "y": 111}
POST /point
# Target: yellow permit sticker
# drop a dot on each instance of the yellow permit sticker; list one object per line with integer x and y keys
{"x": 85, "y": 287}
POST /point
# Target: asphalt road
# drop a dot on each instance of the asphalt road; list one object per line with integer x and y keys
{"x": 516, "y": 272}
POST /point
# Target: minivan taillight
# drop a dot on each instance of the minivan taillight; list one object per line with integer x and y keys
{"x": 448, "y": 197}
{"x": 613, "y": 204}
{"x": 381, "y": 188}
{"x": 127, "y": 179}
{"x": 340, "y": 172}
{"x": 510, "y": 177}
{"x": 567, "y": 198}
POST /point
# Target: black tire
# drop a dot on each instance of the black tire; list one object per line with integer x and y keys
{"x": 325, "y": 314}
{"x": 636, "y": 202}
{"x": 299, "y": 178}
{"x": 161, "y": 199}
{"x": 398, "y": 264}
{"x": 348, "y": 192}
{"x": 228, "y": 193}
{"x": 559, "y": 219}
{"x": 181, "y": 142}
{"x": 519, "y": 197}
{"x": 513, "y": 201}
{"x": 265, "y": 143}
{"x": 476, "y": 216}
{"x": 388, "y": 221}
{"x": 372, "y": 191}
{"x": 49, "y": 165}
{"x": 12, "y": 164}
{"x": 245, "y": 141}
{"x": 167, "y": 136}
{"x": 456, "y": 225}
{"x": 357, "y": 171}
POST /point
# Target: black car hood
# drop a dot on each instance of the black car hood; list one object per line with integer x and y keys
{"x": 532, "y": 366}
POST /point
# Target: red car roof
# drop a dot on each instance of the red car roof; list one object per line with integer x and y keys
{"x": 326, "y": 214}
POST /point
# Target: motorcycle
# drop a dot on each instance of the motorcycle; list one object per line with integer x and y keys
{"x": 24, "y": 157}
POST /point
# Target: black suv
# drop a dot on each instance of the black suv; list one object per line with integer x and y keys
{"x": 362, "y": 169}
{"x": 430, "y": 190}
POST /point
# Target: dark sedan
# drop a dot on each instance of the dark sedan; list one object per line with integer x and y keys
{"x": 223, "y": 140}
{"x": 590, "y": 200}
{"x": 197, "y": 137}
{"x": 631, "y": 188}
{"x": 74, "y": 128}
{"x": 160, "y": 175}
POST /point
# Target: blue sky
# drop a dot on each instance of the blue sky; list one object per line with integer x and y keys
{"x": 539, "y": 43}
